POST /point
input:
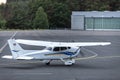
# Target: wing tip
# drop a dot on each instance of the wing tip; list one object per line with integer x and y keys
{"x": 106, "y": 43}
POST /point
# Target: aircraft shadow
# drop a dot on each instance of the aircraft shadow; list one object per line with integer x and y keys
{"x": 43, "y": 66}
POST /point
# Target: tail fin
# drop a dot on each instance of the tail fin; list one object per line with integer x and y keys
{"x": 15, "y": 48}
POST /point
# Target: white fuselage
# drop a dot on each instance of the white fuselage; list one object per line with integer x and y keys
{"x": 52, "y": 53}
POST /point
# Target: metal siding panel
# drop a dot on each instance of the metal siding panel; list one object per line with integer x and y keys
{"x": 89, "y": 23}
{"x": 97, "y": 13}
{"x": 77, "y": 22}
{"x": 98, "y": 20}
{"x": 98, "y": 23}
{"x": 102, "y": 23}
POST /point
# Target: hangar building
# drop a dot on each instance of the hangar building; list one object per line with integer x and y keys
{"x": 95, "y": 20}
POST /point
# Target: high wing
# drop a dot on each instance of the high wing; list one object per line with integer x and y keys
{"x": 48, "y": 43}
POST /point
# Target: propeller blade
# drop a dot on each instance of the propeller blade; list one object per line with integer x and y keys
{"x": 82, "y": 53}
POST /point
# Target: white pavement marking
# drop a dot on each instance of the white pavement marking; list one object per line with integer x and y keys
{"x": 13, "y": 35}
{"x": 45, "y": 73}
{"x": 106, "y": 57}
{"x": 2, "y": 48}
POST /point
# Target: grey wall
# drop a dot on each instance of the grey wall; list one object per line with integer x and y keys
{"x": 85, "y": 20}
{"x": 77, "y": 22}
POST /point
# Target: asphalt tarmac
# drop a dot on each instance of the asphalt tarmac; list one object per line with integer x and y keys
{"x": 105, "y": 67}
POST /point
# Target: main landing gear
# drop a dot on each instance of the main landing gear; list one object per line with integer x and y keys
{"x": 48, "y": 62}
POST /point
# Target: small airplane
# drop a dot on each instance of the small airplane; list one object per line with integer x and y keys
{"x": 64, "y": 51}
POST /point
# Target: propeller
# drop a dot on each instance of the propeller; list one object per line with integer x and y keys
{"x": 82, "y": 53}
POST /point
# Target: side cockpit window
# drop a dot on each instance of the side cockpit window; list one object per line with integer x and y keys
{"x": 59, "y": 48}
{"x": 56, "y": 49}
{"x": 63, "y": 48}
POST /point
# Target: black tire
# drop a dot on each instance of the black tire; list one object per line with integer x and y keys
{"x": 48, "y": 63}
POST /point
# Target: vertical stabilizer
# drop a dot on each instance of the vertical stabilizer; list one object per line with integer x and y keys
{"x": 15, "y": 48}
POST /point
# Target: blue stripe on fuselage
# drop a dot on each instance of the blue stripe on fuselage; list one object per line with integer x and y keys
{"x": 15, "y": 50}
{"x": 68, "y": 53}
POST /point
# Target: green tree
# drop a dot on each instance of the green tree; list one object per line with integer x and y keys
{"x": 114, "y": 5}
{"x": 18, "y": 18}
{"x": 41, "y": 20}
{"x": 21, "y": 14}
{"x": 2, "y": 22}
{"x": 61, "y": 16}
{"x": 47, "y": 5}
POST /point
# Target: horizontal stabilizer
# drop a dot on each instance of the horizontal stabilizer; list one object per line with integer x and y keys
{"x": 24, "y": 58}
{"x": 18, "y": 58}
{"x": 7, "y": 57}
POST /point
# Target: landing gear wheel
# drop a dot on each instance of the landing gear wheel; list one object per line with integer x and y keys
{"x": 48, "y": 63}
{"x": 73, "y": 63}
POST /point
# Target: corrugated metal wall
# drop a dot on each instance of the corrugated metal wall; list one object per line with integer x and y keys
{"x": 102, "y": 23}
